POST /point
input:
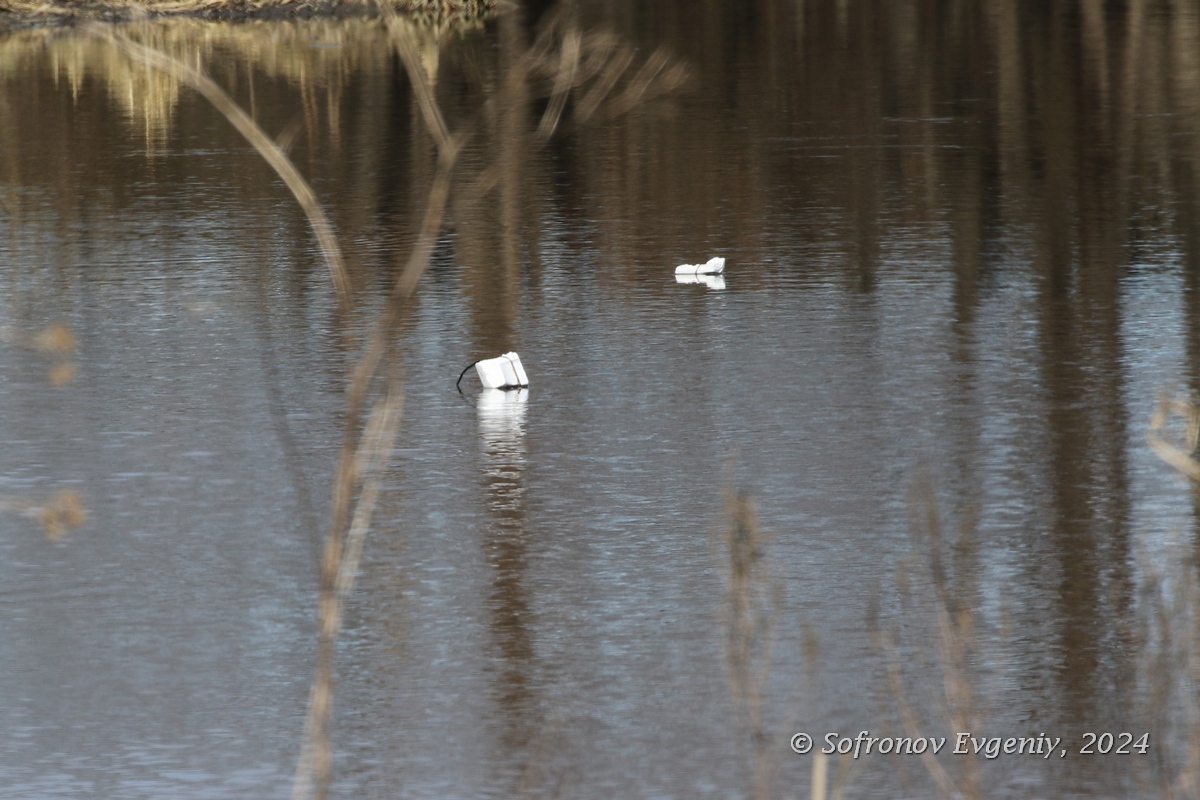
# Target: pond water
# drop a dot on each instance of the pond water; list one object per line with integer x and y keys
{"x": 963, "y": 248}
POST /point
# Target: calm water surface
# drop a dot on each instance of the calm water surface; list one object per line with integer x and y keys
{"x": 962, "y": 244}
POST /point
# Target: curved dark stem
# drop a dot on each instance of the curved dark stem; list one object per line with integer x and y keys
{"x": 461, "y": 374}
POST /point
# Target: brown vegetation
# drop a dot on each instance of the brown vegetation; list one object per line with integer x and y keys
{"x": 58, "y": 515}
{"x": 429, "y": 13}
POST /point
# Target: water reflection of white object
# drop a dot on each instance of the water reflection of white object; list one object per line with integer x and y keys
{"x": 504, "y": 372}
{"x": 502, "y": 419}
{"x": 711, "y": 281}
{"x": 713, "y": 266}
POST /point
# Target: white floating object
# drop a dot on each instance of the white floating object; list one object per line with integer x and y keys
{"x": 711, "y": 281}
{"x": 504, "y": 372}
{"x": 713, "y": 266}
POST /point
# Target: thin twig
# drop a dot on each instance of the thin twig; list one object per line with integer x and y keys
{"x": 604, "y": 84}
{"x": 637, "y": 87}
{"x": 912, "y": 727}
{"x": 563, "y": 81}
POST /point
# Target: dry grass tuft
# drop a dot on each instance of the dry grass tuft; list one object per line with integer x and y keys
{"x": 55, "y": 340}
{"x": 439, "y": 17}
{"x": 434, "y": 14}
{"x": 592, "y": 65}
{"x": 61, "y": 514}
{"x": 63, "y": 372}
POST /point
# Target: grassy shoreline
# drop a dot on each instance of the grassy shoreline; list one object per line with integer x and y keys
{"x": 38, "y": 13}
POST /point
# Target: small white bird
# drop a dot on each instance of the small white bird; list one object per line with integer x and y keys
{"x": 713, "y": 266}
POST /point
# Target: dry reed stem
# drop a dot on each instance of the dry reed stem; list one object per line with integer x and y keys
{"x": 596, "y": 49}
{"x": 266, "y": 147}
{"x": 339, "y": 567}
{"x": 819, "y": 775}
{"x": 564, "y": 79}
{"x": 612, "y": 73}
{"x": 449, "y": 146}
{"x": 379, "y": 438}
{"x": 570, "y": 60}
{"x": 287, "y": 136}
{"x": 418, "y": 260}
{"x": 635, "y": 92}
{"x": 578, "y": 60}
{"x": 55, "y": 341}
{"x": 908, "y": 718}
{"x": 1178, "y": 648}
{"x": 954, "y": 630}
{"x": 344, "y": 543}
{"x": 751, "y": 602}
{"x": 407, "y": 47}
{"x": 1174, "y": 652}
{"x": 955, "y": 640}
